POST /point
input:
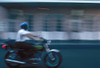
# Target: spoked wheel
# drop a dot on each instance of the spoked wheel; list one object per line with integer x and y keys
{"x": 52, "y": 60}
{"x": 11, "y": 55}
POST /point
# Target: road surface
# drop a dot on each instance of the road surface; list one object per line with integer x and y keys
{"x": 72, "y": 58}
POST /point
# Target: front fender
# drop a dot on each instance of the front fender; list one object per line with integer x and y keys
{"x": 54, "y": 50}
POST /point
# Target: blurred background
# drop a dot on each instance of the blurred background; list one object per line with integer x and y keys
{"x": 52, "y": 20}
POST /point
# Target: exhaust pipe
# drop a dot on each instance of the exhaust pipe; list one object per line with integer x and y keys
{"x": 15, "y": 61}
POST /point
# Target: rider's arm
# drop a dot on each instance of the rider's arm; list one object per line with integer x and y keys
{"x": 31, "y": 36}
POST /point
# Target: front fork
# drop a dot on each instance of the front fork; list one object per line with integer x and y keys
{"x": 49, "y": 52}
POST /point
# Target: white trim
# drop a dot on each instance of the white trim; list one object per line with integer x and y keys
{"x": 57, "y": 35}
{"x": 47, "y": 1}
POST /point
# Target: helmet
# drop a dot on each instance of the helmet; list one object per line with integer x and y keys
{"x": 24, "y": 25}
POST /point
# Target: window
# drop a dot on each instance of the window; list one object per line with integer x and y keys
{"x": 59, "y": 22}
{"x": 76, "y": 18}
{"x": 12, "y": 17}
{"x": 29, "y": 19}
{"x": 52, "y": 22}
{"x": 11, "y": 24}
{"x": 77, "y": 12}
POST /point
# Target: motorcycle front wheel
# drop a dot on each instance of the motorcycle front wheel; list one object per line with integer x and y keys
{"x": 53, "y": 63}
{"x": 11, "y": 55}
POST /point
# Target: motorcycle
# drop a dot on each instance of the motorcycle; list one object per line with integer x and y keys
{"x": 15, "y": 57}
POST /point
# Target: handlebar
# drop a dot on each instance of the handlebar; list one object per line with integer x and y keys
{"x": 44, "y": 40}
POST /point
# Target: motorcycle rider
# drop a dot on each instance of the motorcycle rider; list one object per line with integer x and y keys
{"x": 22, "y": 36}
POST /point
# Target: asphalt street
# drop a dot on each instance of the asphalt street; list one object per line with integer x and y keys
{"x": 72, "y": 58}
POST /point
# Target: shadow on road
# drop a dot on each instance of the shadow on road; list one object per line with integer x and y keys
{"x": 31, "y": 67}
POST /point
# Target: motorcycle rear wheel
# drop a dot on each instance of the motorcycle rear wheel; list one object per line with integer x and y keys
{"x": 55, "y": 63}
{"x": 9, "y": 64}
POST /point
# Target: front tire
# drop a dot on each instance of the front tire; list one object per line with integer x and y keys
{"x": 11, "y": 55}
{"x": 55, "y": 63}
